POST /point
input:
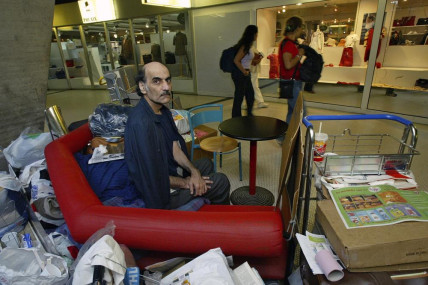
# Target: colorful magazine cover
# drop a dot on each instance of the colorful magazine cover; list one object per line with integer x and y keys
{"x": 379, "y": 205}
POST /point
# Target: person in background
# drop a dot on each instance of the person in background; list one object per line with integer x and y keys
{"x": 254, "y": 70}
{"x": 289, "y": 56}
{"x": 241, "y": 76}
{"x": 156, "y": 153}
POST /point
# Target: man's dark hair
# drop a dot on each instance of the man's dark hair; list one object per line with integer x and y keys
{"x": 141, "y": 77}
{"x": 292, "y": 24}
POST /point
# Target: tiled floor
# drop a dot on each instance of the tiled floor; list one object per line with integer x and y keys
{"x": 79, "y": 104}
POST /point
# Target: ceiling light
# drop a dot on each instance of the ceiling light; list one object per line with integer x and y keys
{"x": 335, "y": 21}
{"x": 335, "y": 9}
{"x": 279, "y": 12}
{"x": 283, "y": 7}
{"x": 115, "y": 35}
{"x": 298, "y": 4}
{"x": 349, "y": 20}
{"x": 147, "y": 25}
{"x": 283, "y": 10}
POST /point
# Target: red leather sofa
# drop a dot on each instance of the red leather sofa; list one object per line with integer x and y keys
{"x": 248, "y": 233}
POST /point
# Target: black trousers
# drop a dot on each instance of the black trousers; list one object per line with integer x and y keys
{"x": 243, "y": 87}
{"x": 218, "y": 194}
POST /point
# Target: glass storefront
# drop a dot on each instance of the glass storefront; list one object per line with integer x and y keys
{"x": 400, "y": 83}
{"x": 122, "y": 45}
{"x": 389, "y": 75}
{"x": 74, "y": 56}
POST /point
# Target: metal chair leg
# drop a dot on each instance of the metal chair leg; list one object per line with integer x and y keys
{"x": 240, "y": 161}
{"x": 221, "y": 160}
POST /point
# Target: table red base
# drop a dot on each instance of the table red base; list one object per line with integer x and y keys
{"x": 252, "y": 194}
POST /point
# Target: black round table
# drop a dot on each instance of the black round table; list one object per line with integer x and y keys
{"x": 253, "y": 129}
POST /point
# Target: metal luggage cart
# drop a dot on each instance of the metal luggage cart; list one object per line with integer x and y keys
{"x": 355, "y": 154}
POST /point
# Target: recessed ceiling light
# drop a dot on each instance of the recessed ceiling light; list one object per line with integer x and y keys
{"x": 298, "y": 4}
{"x": 283, "y": 10}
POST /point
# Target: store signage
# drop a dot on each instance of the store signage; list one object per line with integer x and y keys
{"x": 97, "y": 10}
{"x": 170, "y": 3}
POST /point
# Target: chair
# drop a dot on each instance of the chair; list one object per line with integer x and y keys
{"x": 217, "y": 145}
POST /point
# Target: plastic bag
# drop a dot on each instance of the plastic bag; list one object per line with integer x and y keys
{"x": 22, "y": 266}
{"x": 109, "y": 120}
{"x": 27, "y": 148}
{"x": 109, "y": 229}
{"x": 180, "y": 119}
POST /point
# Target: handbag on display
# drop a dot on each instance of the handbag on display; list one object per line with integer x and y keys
{"x": 286, "y": 86}
{"x": 422, "y": 21}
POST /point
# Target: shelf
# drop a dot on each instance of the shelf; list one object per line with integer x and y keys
{"x": 418, "y": 34}
{"x": 397, "y": 27}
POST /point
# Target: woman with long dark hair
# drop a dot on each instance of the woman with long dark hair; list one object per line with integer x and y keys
{"x": 241, "y": 75}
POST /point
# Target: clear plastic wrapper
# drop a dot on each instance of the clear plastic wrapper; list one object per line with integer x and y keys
{"x": 109, "y": 120}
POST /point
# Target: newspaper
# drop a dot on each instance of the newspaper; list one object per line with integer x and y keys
{"x": 311, "y": 244}
{"x": 391, "y": 177}
{"x": 380, "y": 205}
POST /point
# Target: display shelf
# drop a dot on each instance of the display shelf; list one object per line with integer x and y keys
{"x": 397, "y": 27}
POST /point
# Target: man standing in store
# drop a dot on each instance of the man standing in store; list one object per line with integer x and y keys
{"x": 156, "y": 153}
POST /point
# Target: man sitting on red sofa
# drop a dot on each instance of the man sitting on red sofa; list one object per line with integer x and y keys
{"x": 156, "y": 153}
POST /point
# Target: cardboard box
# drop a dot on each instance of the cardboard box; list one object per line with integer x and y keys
{"x": 202, "y": 132}
{"x": 394, "y": 247}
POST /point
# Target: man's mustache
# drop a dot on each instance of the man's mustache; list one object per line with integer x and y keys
{"x": 166, "y": 93}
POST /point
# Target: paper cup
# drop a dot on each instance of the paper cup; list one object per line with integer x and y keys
{"x": 320, "y": 145}
{"x": 329, "y": 266}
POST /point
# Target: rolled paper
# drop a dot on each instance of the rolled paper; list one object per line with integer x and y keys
{"x": 329, "y": 266}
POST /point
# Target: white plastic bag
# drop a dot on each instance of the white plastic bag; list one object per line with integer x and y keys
{"x": 27, "y": 148}
{"x": 180, "y": 119}
{"x": 19, "y": 266}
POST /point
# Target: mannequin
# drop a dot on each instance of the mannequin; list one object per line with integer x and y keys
{"x": 180, "y": 42}
{"x": 274, "y": 65}
{"x": 317, "y": 40}
{"x": 127, "y": 49}
{"x": 348, "y": 51}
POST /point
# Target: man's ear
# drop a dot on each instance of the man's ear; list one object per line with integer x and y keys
{"x": 142, "y": 87}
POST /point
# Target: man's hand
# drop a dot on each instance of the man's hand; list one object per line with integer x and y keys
{"x": 197, "y": 184}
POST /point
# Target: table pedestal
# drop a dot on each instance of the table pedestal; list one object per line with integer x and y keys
{"x": 262, "y": 197}
{"x": 252, "y": 195}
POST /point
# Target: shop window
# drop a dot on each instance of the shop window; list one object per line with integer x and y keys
{"x": 147, "y": 39}
{"x": 333, "y": 29}
{"x": 74, "y": 55}
{"x": 400, "y": 81}
{"x": 177, "y": 44}
{"x": 57, "y": 75}
{"x": 97, "y": 50}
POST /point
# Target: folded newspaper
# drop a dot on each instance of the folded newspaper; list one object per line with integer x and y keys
{"x": 379, "y": 205}
{"x": 212, "y": 267}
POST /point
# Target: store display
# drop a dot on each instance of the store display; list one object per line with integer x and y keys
{"x": 422, "y": 21}
{"x": 347, "y": 58}
{"x": 274, "y": 65}
{"x": 317, "y": 40}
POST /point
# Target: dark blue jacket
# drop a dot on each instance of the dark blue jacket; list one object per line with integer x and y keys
{"x": 146, "y": 158}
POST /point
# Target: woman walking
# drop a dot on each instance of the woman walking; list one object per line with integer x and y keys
{"x": 241, "y": 76}
{"x": 289, "y": 56}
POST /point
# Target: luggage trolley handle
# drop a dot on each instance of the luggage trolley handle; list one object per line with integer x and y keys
{"x": 305, "y": 188}
{"x": 410, "y": 128}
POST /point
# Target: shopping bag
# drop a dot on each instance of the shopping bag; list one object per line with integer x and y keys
{"x": 286, "y": 88}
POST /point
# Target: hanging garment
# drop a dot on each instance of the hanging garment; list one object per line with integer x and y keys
{"x": 274, "y": 66}
{"x": 317, "y": 41}
{"x": 351, "y": 39}
{"x": 180, "y": 42}
{"x": 369, "y": 44}
{"x": 347, "y": 58}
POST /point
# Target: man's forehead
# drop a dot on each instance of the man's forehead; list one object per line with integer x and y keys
{"x": 157, "y": 71}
